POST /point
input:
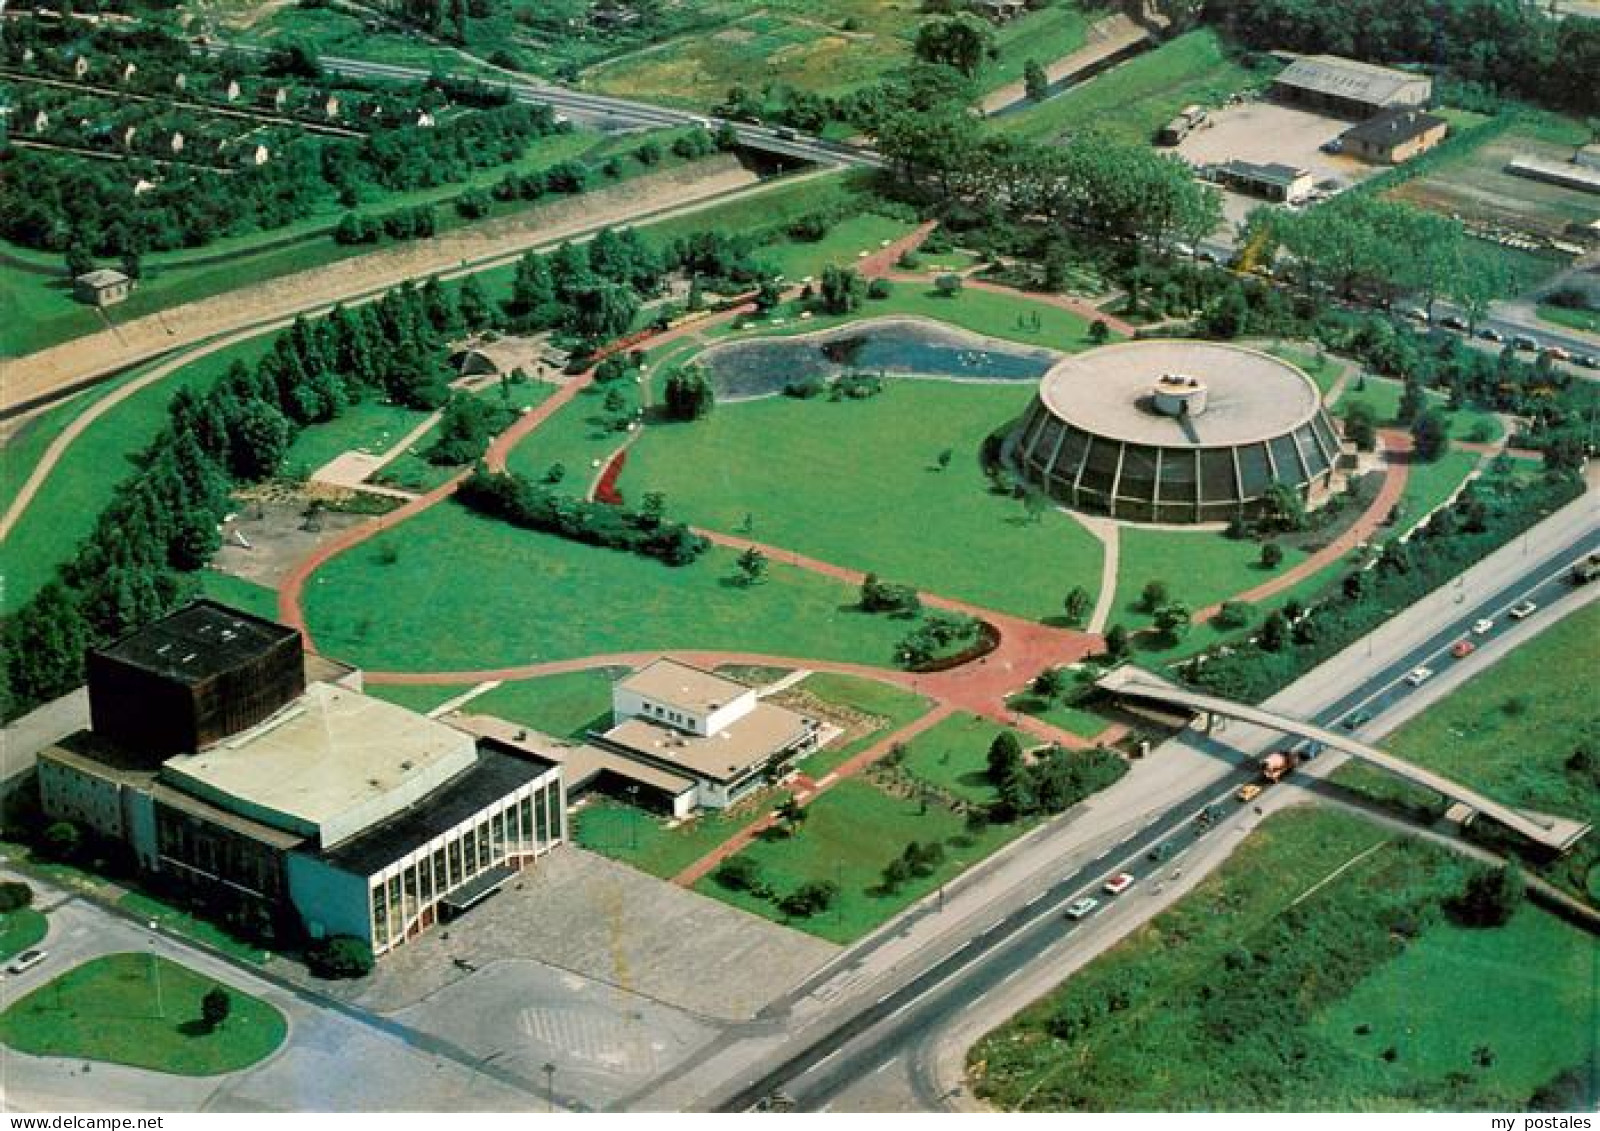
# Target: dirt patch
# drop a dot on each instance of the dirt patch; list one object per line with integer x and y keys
{"x": 1478, "y": 189}
{"x": 274, "y": 522}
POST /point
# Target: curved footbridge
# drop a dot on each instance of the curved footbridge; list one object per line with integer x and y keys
{"x": 1557, "y": 833}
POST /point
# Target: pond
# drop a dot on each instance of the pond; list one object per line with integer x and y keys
{"x": 891, "y": 346}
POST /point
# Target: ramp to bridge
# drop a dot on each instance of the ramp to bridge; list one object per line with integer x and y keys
{"x": 1558, "y": 833}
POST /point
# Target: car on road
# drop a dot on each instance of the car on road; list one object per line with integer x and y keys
{"x": 1461, "y": 649}
{"x": 1556, "y": 353}
{"x": 787, "y": 134}
{"x": 1248, "y": 792}
{"x": 1356, "y": 720}
{"x": 1163, "y": 851}
{"x": 27, "y": 960}
{"x": 1416, "y": 677}
{"x": 1522, "y": 610}
{"x": 1453, "y": 322}
{"x": 1481, "y": 626}
{"x": 1417, "y": 314}
{"x": 1082, "y": 908}
{"x": 1587, "y": 360}
{"x": 1523, "y": 342}
{"x": 1119, "y": 883}
{"x": 1490, "y": 334}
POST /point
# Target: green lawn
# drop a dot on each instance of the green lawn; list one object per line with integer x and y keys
{"x": 1072, "y": 719}
{"x": 239, "y": 593}
{"x": 795, "y": 260}
{"x": 143, "y": 1011}
{"x": 855, "y": 483}
{"x": 1199, "y": 568}
{"x": 1246, "y": 994}
{"x": 87, "y": 478}
{"x": 645, "y": 841}
{"x": 1132, "y": 101}
{"x": 1527, "y": 991}
{"x": 418, "y": 697}
{"x": 952, "y": 756}
{"x": 1321, "y": 368}
{"x": 148, "y": 908}
{"x": 467, "y": 592}
{"x": 1383, "y": 395}
{"x": 1428, "y": 485}
{"x": 891, "y": 706}
{"x": 565, "y": 706}
{"x": 1574, "y": 319}
{"x": 370, "y": 426}
{"x": 22, "y": 452}
{"x": 1043, "y": 35}
{"x": 850, "y": 833}
{"x": 19, "y": 930}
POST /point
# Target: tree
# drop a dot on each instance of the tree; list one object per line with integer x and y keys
{"x": 1172, "y": 621}
{"x": 1077, "y": 604}
{"x": 1413, "y": 402}
{"x": 689, "y": 395}
{"x": 1431, "y": 435}
{"x": 63, "y": 840}
{"x": 1034, "y": 81}
{"x": 961, "y": 42}
{"x": 843, "y": 289}
{"x": 45, "y": 641}
{"x": 943, "y": 459}
{"x": 258, "y": 437}
{"x": 738, "y": 873}
{"x": 1361, "y": 425}
{"x": 1005, "y": 757}
{"x": 215, "y": 1007}
{"x": 948, "y": 285}
{"x": 1233, "y": 614}
{"x": 1153, "y": 596}
{"x": 1271, "y": 555}
{"x": 14, "y": 896}
{"x": 1099, "y": 331}
{"x": 339, "y": 956}
{"x": 752, "y": 566}
{"x": 792, "y": 813}
{"x": 809, "y": 899}
{"x": 1050, "y": 684}
{"x": 1490, "y": 896}
{"x": 473, "y": 305}
{"x": 1274, "y": 632}
{"x": 1117, "y": 642}
{"x": 896, "y": 874}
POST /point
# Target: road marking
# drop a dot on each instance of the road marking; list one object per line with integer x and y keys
{"x": 1035, "y": 899}
{"x": 829, "y": 1057}
{"x": 1014, "y": 974}
{"x": 883, "y": 1067}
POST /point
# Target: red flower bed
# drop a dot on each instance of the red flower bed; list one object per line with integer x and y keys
{"x": 606, "y": 491}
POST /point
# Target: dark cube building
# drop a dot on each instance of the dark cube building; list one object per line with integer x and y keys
{"x": 198, "y": 676}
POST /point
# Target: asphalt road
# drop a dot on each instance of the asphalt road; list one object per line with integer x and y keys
{"x": 897, "y": 1025}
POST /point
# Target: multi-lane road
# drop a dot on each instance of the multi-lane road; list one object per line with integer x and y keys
{"x": 900, "y": 1025}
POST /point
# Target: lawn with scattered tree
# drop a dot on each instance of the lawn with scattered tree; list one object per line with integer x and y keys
{"x": 146, "y": 1012}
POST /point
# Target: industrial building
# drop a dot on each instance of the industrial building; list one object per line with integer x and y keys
{"x": 1282, "y": 184}
{"x": 1168, "y": 430}
{"x": 303, "y": 804}
{"x": 1394, "y": 137}
{"x": 1349, "y": 89}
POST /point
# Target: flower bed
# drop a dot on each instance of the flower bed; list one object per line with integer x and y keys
{"x": 605, "y": 491}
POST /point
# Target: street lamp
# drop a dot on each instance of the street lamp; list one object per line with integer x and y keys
{"x": 550, "y": 1085}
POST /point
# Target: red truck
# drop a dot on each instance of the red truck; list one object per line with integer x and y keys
{"x": 1279, "y": 763}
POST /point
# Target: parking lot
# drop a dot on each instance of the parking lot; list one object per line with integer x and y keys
{"x": 1265, "y": 133}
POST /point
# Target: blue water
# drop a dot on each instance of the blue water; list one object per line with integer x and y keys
{"x": 765, "y": 365}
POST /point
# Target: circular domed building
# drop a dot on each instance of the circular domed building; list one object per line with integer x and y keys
{"x": 1175, "y": 431}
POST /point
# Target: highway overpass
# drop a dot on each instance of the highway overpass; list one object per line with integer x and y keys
{"x": 1558, "y": 833}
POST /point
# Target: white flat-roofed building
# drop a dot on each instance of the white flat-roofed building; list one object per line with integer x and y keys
{"x": 682, "y": 696}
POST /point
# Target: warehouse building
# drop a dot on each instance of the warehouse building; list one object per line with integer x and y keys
{"x": 1394, "y": 137}
{"x": 1348, "y": 89}
{"x": 307, "y": 805}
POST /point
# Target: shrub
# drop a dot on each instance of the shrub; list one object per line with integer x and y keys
{"x": 339, "y": 956}
{"x": 738, "y": 873}
{"x": 14, "y": 896}
{"x": 808, "y": 899}
{"x": 880, "y": 289}
{"x": 1489, "y": 898}
{"x": 1233, "y": 614}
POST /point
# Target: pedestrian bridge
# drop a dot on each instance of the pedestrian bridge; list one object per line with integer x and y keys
{"x": 1558, "y": 833}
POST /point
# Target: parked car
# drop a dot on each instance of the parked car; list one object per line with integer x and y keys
{"x": 1119, "y": 883}
{"x": 1490, "y": 334}
{"x": 1248, "y": 792}
{"x": 1081, "y": 908}
{"x": 1417, "y": 314}
{"x": 1523, "y": 342}
{"x": 1556, "y": 353}
{"x": 1453, "y": 322}
{"x": 27, "y": 960}
{"x": 1481, "y": 626}
{"x": 1587, "y": 360}
{"x": 1461, "y": 649}
{"x": 1522, "y": 610}
{"x": 1416, "y": 677}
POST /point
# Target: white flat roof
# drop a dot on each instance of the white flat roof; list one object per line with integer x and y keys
{"x": 1250, "y": 396}
{"x": 333, "y": 763}
{"x": 684, "y": 686}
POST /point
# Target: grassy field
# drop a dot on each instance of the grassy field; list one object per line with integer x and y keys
{"x": 1248, "y": 994}
{"x": 1428, "y": 485}
{"x": 418, "y": 697}
{"x": 26, "y": 447}
{"x": 1132, "y": 101}
{"x": 19, "y": 930}
{"x": 371, "y": 426}
{"x": 1199, "y": 568}
{"x": 143, "y": 1011}
{"x": 796, "y": 260}
{"x": 1383, "y": 396}
{"x": 647, "y": 843}
{"x": 238, "y": 592}
{"x": 952, "y": 756}
{"x": 84, "y": 482}
{"x": 856, "y": 484}
{"x": 1074, "y": 720}
{"x": 1321, "y": 368}
{"x": 890, "y": 706}
{"x": 1573, "y": 319}
{"x": 467, "y": 592}
{"x": 565, "y": 706}
{"x": 850, "y": 833}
